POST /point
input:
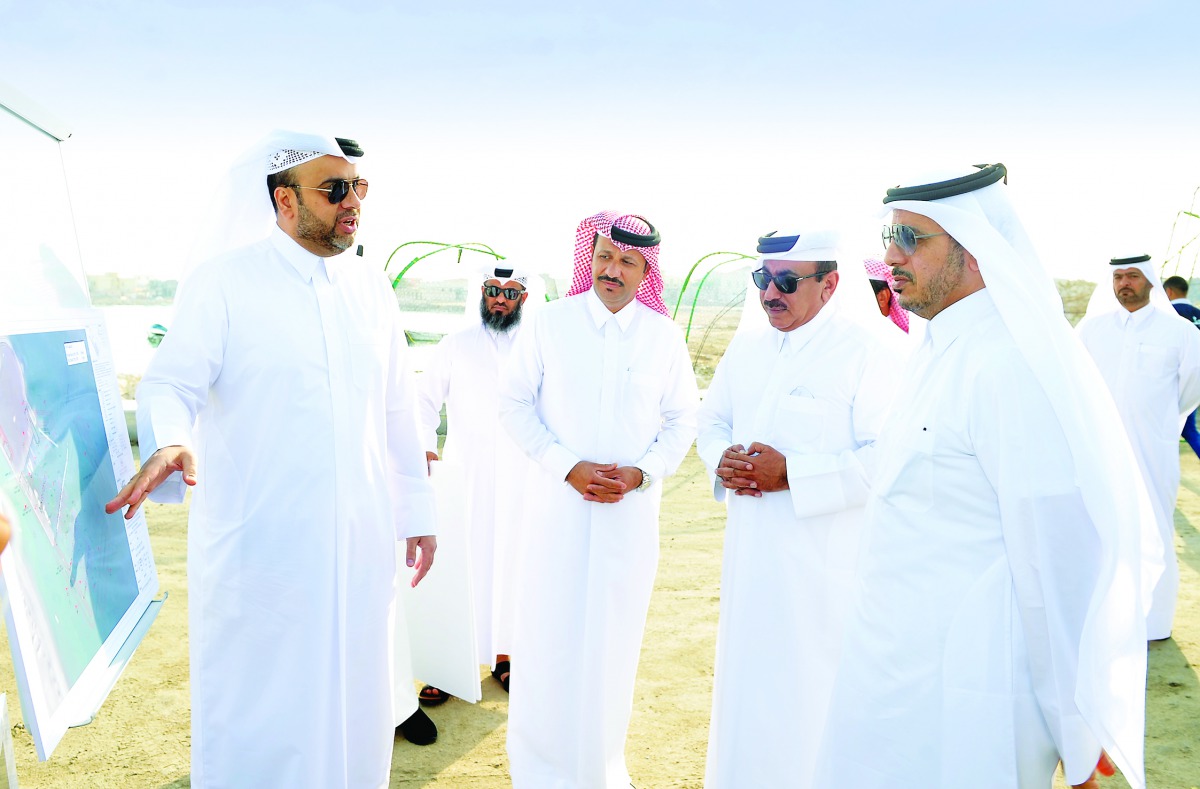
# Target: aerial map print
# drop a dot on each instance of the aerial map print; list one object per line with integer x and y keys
{"x": 76, "y": 578}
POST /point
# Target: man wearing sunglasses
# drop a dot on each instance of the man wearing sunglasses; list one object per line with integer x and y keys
{"x": 465, "y": 374}
{"x": 1151, "y": 362}
{"x": 785, "y": 430}
{"x": 281, "y": 397}
{"x": 601, "y": 396}
{"x": 997, "y": 628}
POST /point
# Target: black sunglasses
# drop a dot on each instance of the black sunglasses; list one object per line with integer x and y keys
{"x": 905, "y": 237}
{"x": 512, "y": 294}
{"x": 337, "y": 190}
{"x": 786, "y": 283}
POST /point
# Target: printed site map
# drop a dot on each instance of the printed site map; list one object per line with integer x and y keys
{"x": 76, "y": 578}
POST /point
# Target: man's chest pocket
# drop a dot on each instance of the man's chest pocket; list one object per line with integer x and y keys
{"x": 1156, "y": 361}
{"x": 644, "y": 386}
{"x": 801, "y": 422}
{"x": 367, "y": 364}
{"x": 909, "y": 484}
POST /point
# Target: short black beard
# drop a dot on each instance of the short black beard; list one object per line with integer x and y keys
{"x": 499, "y": 321}
{"x": 310, "y": 228}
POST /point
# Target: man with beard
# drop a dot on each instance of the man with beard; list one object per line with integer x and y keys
{"x": 465, "y": 375}
{"x": 1151, "y": 362}
{"x": 997, "y": 627}
{"x": 287, "y": 356}
{"x": 601, "y": 396}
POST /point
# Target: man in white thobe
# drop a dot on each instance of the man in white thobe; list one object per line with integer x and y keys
{"x": 601, "y": 396}
{"x": 786, "y": 426}
{"x": 997, "y": 627}
{"x": 464, "y": 374}
{"x": 1151, "y": 362}
{"x": 288, "y": 357}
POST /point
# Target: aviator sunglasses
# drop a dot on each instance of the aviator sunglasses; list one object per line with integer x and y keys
{"x": 905, "y": 237}
{"x": 512, "y": 294}
{"x": 337, "y": 190}
{"x": 786, "y": 283}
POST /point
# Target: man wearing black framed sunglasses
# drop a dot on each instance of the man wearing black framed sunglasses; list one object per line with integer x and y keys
{"x": 464, "y": 374}
{"x": 786, "y": 427}
{"x": 998, "y": 627}
{"x": 311, "y": 479}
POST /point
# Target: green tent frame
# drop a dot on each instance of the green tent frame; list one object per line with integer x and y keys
{"x": 440, "y": 246}
{"x": 1178, "y": 253}
{"x": 729, "y": 257}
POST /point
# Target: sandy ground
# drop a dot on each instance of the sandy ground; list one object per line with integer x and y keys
{"x": 140, "y": 737}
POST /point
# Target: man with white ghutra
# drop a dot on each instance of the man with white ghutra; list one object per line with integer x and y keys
{"x": 1150, "y": 361}
{"x": 464, "y": 373}
{"x": 998, "y": 626}
{"x": 302, "y": 451}
{"x": 786, "y": 431}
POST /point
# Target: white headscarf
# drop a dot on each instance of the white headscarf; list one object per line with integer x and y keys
{"x": 504, "y": 271}
{"x": 242, "y": 212}
{"x": 853, "y": 297}
{"x": 1104, "y": 298}
{"x": 1114, "y": 636}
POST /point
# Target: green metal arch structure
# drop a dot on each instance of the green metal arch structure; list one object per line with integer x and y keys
{"x": 1193, "y": 242}
{"x": 439, "y": 246}
{"x": 725, "y": 259}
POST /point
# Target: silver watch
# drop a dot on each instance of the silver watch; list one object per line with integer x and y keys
{"x": 646, "y": 480}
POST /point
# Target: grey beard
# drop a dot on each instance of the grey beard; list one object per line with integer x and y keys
{"x": 499, "y": 322}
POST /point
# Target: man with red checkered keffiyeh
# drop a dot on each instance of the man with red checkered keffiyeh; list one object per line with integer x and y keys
{"x": 600, "y": 394}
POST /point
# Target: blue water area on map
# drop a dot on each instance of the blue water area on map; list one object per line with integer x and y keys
{"x": 56, "y": 471}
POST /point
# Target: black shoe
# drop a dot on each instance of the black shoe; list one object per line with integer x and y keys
{"x": 418, "y": 729}
{"x": 502, "y": 673}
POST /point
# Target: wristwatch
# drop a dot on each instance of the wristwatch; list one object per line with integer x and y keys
{"x": 646, "y": 480}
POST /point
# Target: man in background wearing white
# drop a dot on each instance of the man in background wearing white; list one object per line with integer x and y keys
{"x": 1151, "y": 362}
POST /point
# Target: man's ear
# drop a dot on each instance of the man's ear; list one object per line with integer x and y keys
{"x": 285, "y": 202}
{"x": 829, "y": 285}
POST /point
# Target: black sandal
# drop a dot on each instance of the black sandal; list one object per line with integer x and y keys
{"x": 431, "y": 696}
{"x": 501, "y": 673}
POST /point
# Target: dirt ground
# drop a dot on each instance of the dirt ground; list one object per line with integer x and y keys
{"x": 140, "y": 737}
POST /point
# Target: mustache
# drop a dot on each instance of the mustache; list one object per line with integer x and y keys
{"x": 773, "y": 304}
{"x": 899, "y": 272}
{"x": 614, "y": 280}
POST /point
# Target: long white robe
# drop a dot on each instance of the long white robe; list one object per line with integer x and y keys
{"x": 817, "y": 394}
{"x": 309, "y": 470}
{"x": 961, "y": 661}
{"x": 1150, "y": 360}
{"x": 464, "y": 373}
{"x": 585, "y": 384}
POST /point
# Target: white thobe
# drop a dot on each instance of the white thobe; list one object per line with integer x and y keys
{"x": 465, "y": 375}
{"x": 818, "y": 395}
{"x": 1150, "y": 360}
{"x": 961, "y": 657}
{"x": 309, "y": 470}
{"x": 587, "y": 384}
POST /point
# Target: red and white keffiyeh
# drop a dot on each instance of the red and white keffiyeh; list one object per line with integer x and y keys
{"x": 877, "y": 269}
{"x": 650, "y": 291}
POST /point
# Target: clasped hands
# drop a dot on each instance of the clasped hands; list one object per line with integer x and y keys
{"x": 753, "y": 470}
{"x": 606, "y": 483}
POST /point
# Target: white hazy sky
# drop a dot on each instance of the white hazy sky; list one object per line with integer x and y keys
{"x": 507, "y": 122}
